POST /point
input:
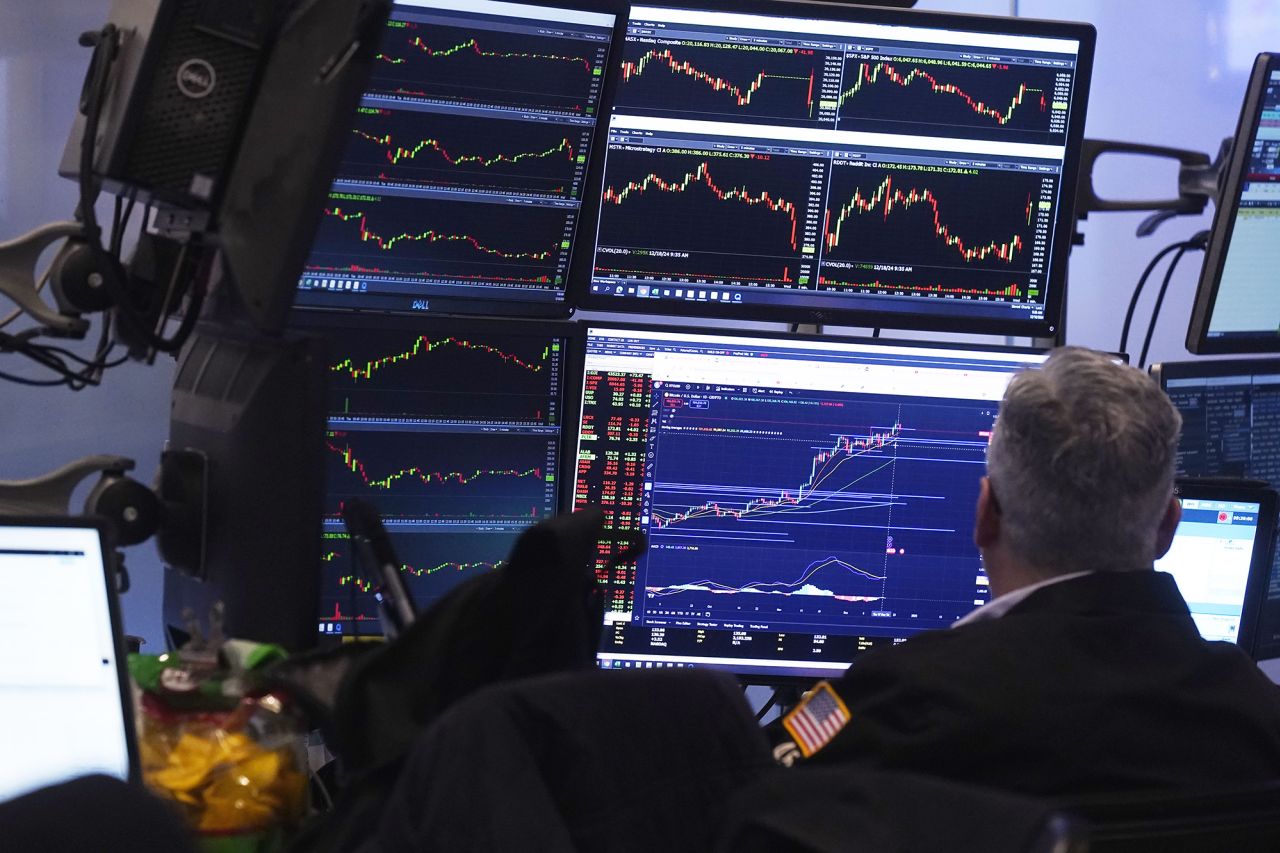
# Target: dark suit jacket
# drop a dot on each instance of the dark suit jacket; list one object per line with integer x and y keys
{"x": 1095, "y": 684}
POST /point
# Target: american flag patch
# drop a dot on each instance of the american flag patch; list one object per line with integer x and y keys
{"x": 817, "y": 719}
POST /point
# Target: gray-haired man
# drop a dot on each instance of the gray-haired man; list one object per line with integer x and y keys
{"x": 1085, "y": 672}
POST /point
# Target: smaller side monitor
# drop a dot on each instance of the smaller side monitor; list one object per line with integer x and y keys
{"x": 1221, "y": 556}
{"x": 1237, "y": 306}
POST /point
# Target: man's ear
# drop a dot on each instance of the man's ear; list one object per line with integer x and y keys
{"x": 1168, "y": 526}
{"x": 986, "y": 523}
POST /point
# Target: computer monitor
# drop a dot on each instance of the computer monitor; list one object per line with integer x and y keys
{"x": 452, "y": 429}
{"x": 1237, "y": 306}
{"x": 1221, "y": 557}
{"x": 805, "y": 499}
{"x": 868, "y": 166}
{"x": 64, "y": 698}
{"x": 1231, "y": 428}
{"x": 460, "y": 186}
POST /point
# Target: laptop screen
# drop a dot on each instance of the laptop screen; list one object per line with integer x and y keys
{"x": 1212, "y": 559}
{"x": 62, "y": 708}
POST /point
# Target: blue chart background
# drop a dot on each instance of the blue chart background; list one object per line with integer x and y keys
{"x": 934, "y": 483}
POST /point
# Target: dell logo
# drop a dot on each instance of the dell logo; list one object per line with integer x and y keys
{"x": 196, "y": 78}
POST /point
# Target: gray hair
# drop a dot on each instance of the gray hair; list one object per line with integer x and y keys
{"x": 1082, "y": 463}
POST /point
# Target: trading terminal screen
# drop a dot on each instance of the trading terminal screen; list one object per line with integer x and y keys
{"x": 804, "y": 500}
{"x": 762, "y": 166}
{"x": 460, "y": 186}
{"x": 452, "y": 430}
{"x": 1231, "y": 428}
{"x": 1237, "y": 285}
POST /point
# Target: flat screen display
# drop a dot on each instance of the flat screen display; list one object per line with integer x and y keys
{"x": 460, "y": 186}
{"x": 1231, "y": 428}
{"x": 1237, "y": 306}
{"x": 63, "y": 712}
{"x": 452, "y": 430}
{"x": 885, "y": 168}
{"x": 804, "y": 499}
{"x": 1212, "y": 560}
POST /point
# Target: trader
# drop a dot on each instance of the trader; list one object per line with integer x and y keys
{"x": 1084, "y": 673}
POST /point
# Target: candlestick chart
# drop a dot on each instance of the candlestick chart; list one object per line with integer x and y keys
{"x": 490, "y": 67}
{"x": 431, "y": 475}
{"x": 417, "y": 377}
{"x": 727, "y": 82}
{"x": 425, "y": 239}
{"x": 813, "y": 510}
{"x": 933, "y": 233}
{"x": 457, "y": 152}
{"x": 431, "y": 566}
{"x": 979, "y": 99}
{"x": 702, "y": 216}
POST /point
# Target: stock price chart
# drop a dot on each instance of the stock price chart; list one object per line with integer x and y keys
{"x": 486, "y": 66}
{"x": 710, "y": 217}
{"x": 412, "y": 378}
{"x": 433, "y": 564}
{"x": 452, "y": 431}
{"x": 837, "y": 513}
{"x": 958, "y": 233}
{"x": 412, "y": 148}
{"x": 413, "y": 475}
{"x": 994, "y": 101}
{"x": 424, "y": 239}
{"x": 727, "y": 81}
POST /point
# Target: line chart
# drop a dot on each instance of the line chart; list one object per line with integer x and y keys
{"x": 412, "y": 148}
{"x": 726, "y": 81}
{"x": 803, "y": 585}
{"x": 489, "y": 67}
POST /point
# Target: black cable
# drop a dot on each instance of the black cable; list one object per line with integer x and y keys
{"x": 1196, "y": 242}
{"x": 1137, "y": 293}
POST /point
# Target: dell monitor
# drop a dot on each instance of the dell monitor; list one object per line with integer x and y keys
{"x": 805, "y": 499}
{"x": 844, "y": 165}
{"x": 464, "y": 166}
{"x": 1237, "y": 306}
{"x": 451, "y": 430}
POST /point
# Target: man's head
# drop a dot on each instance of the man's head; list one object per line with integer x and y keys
{"x": 1079, "y": 472}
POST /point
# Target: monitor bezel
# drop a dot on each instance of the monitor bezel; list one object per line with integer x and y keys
{"x": 1213, "y": 489}
{"x": 106, "y": 542}
{"x": 573, "y": 409}
{"x": 1224, "y": 216}
{"x": 1053, "y": 324}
